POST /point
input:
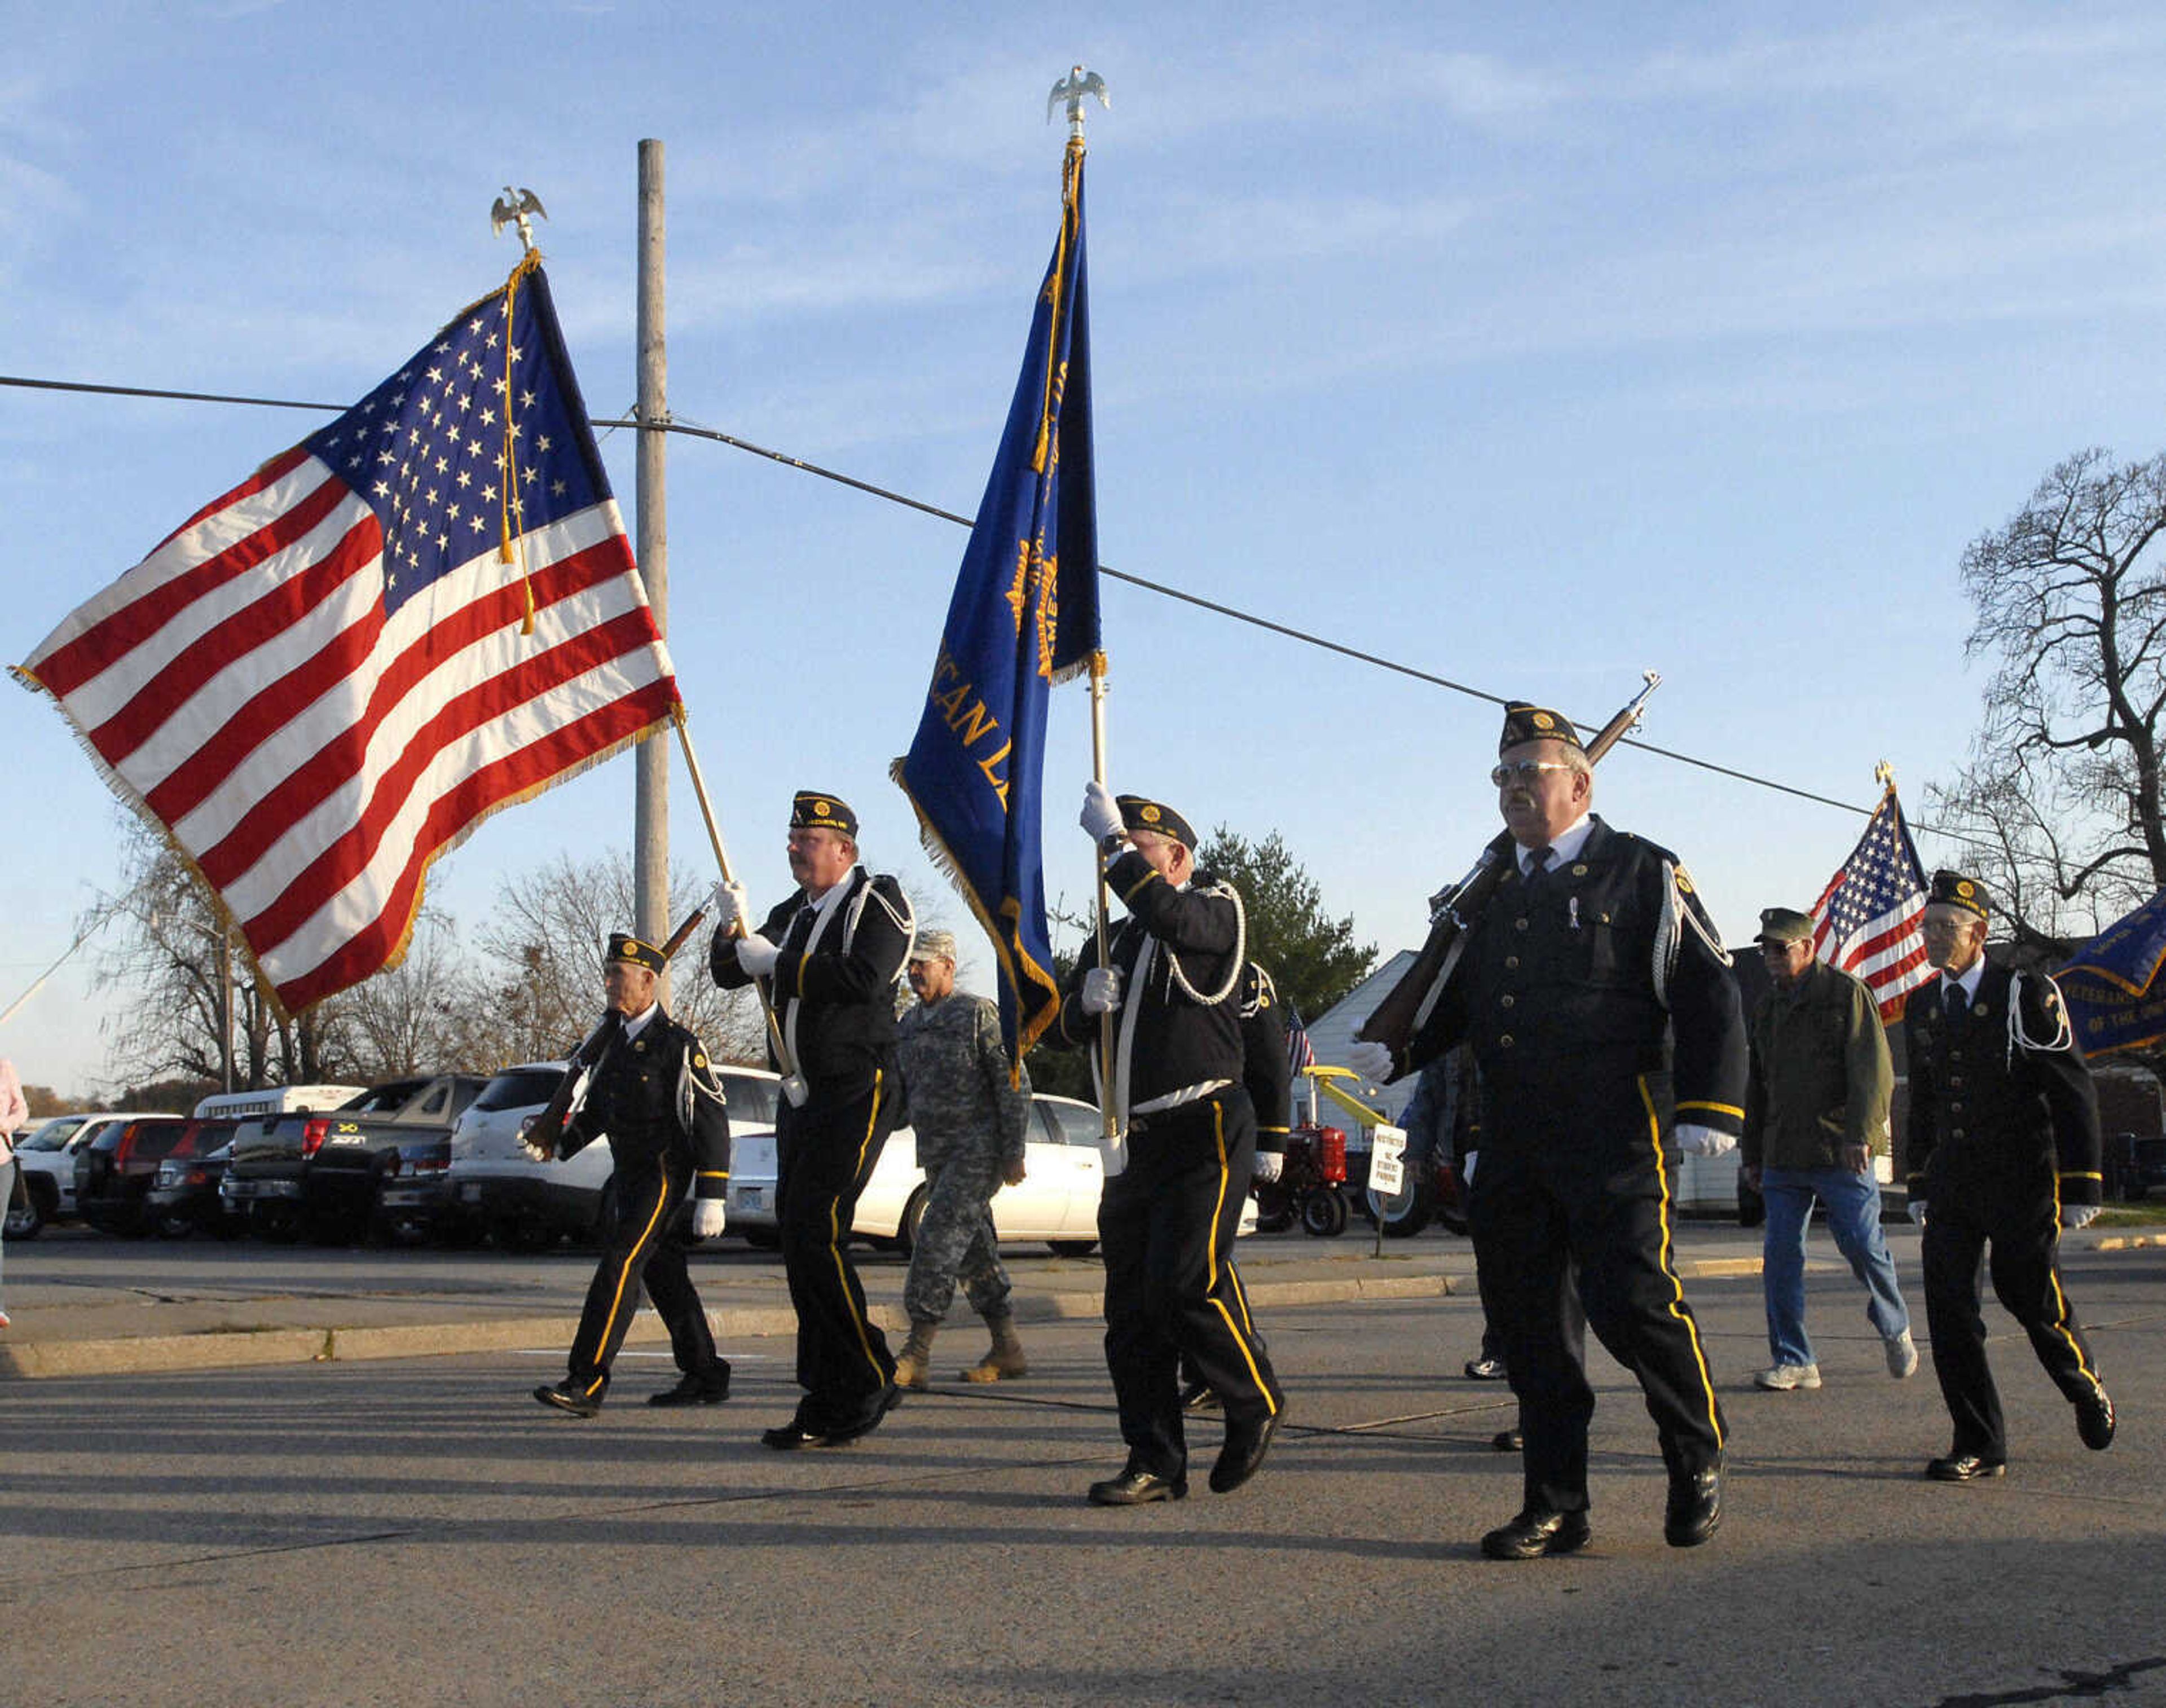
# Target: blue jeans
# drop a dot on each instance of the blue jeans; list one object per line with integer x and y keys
{"x": 1853, "y": 1215}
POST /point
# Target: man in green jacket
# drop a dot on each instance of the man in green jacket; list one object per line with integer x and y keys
{"x": 1815, "y": 1111}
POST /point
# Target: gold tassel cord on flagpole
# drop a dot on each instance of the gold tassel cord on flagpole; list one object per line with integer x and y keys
{"x": 1050, "y": 402}
{"x": 774, "y": 1036}
{"x": 506, "y": 553}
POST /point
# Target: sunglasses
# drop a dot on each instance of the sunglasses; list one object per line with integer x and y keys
{"x": 1526, "y": 770}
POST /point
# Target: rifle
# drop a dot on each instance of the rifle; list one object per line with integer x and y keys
{"x": 1394, "y": 1021}
{"x": 546, "y": 1131}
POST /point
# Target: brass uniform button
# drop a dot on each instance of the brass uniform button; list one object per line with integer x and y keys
{"x": 1505, "y": 1001}
{"x": 1505, "y": 1041}
{"x": 1512, "y": 961}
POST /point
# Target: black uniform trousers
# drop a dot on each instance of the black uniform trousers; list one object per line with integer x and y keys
{"x": 824, "y": 1155}
{"x": 2019, "y": 1217}
{"x": 1589, "y": 1190}
{"x": 1167, "y": 1224}
{"x": 644, "y": 1247}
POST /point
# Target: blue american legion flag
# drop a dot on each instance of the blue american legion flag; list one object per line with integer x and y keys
{"x": 1868, "y": 921}
{"x": 327, "y": 677}
{"x": 2111, "y": 985}
{"x": 1024, "y": 615}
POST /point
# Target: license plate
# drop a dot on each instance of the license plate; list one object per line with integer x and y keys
{"x": 347, "y": 1139}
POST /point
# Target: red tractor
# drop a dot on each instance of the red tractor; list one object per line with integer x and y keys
{"x": 1310, "y": 1184}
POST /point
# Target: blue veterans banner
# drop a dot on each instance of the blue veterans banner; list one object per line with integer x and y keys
{"x": 2112, "y": 987}
{"x": 1024, "y": 616}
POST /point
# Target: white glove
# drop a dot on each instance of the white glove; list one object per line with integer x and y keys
{"x": 534, "y": 1150}
{"x": 756, "y": 956}
{"x": 1270, "y": 1164}
{"x": 730, "y": 904}
{"x": 1101, "y": 989}
{"x": 709, "y": 1216}
{"x": 1371, "y": 1060}
{"x": 1101, "y": 813}
{"x": 1466, "y": 1168}
{"x": 1918, "y": 1211}
{"x": 1704, "y": 1141}
{"x": 2079, "y": 1215}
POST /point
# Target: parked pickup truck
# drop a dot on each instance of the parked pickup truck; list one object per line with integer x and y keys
{"x": 317, "y": 1173}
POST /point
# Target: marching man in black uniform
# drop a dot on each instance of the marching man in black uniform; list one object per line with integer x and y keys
{"x": 653, "y": 1093}
{"x": 2003, "y": 1150}
{"x": 835, "y": 949}
{"x": 1168, "y": 1218}
{"x": 1598, "y": 1002}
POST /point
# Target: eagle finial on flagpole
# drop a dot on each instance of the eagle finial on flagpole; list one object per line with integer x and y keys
{"x": 516, "y": 207}
{"x": 1074, "y": 89}
{"x": 1883, "y": 773}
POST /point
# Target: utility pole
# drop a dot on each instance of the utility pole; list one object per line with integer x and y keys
{"x": 650, "y": 836}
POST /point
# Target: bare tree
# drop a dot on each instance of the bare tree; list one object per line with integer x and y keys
{"x": 537, "y": 987}
{"x": 405, "y": 1021}
{"x": 169, "y": 954}
{"x": 2062, "y": 789}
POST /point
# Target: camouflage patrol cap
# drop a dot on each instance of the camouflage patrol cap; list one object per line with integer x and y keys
{"x": 636, "y": 952}
{"x": 934, "y": 945}
{"x": 1957, "y": 891}
{"x": 1138, "y": 814}
{"x": 1784, "y": 925}
{"x": 1523, "y": 723}
{"x": 813, "y": 811}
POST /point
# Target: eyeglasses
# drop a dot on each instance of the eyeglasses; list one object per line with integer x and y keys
{"x": 1524, "y": 770}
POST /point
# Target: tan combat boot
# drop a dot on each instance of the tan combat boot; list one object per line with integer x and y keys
{"x": 911, "y": 1363}
{"x": 1004, "y": 1360}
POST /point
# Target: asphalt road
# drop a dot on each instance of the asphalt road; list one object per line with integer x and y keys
{"x": 417, "y": 1531}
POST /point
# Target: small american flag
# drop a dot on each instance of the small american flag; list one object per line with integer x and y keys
{"x": 1867, "y": 920}
{"x": 1300, "y": 1054}
{"x": 424, "y": 612}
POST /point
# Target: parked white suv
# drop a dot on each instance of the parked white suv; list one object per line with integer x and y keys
{"x": 525, "y": 1205}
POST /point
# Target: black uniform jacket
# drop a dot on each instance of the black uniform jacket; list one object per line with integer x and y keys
{"x": 1179, "y": 1042}
{"x": 1265, "y": 1068}
{"x": 1989, "y": 1111}
{"x": 655, "y": 1097}
{"x": 1598, "y": 977}
{"x": 841, "y": 996}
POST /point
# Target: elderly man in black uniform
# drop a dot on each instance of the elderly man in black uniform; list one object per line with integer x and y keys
{"x": 2004, "y": 1150}
{"x": 651, "y": 1091}
{"x": 1168, "y": 1218}
{"x": 1599, "y": 1002}
{"x": 835, "y": 949}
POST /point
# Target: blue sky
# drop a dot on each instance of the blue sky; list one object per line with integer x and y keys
{"x": 1531, "y": 350}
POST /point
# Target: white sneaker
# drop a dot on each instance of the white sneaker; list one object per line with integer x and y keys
{"x": 1902, "y": 1355}
{"x": 1783, "y": 1377}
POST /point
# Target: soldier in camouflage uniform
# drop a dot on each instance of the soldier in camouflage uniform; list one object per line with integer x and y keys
{"x": 970, "y": 1124}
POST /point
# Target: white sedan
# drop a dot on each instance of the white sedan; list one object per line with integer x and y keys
{"x": 1063, "y": 1175}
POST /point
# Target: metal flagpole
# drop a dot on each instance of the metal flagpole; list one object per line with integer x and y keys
{"x": 1072, "y": 91}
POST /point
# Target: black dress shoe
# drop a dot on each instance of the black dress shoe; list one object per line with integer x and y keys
{"x": 1137, "y": 1487}
{"x": 878, "y": 1407}
{"x": 1694, "y": 1512}
{"x": 2095, "y": 1421}
{"x": 566, "y": 1397}
{"x": 1247, "y": 1441}
{"x": 793, "y": 1435}
{"x": 712, "y": 1389}
{"x": 1533, "y": 1534}
{"x": 1198, "y": 1396}
{"x": 1509, "y": 1441}
{"x": 1964, "y": 1467}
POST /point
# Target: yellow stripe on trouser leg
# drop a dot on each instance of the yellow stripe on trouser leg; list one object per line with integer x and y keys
{"x": 836, "y": 1235}
{"x": 631, "y": 1259}
{"x": 2060, "y": 1299}
{"x": 1676, "y": 1306}
{"x": 1210, "y": 1263}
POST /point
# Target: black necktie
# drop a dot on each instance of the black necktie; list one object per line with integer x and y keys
{"x": 1958, "y": 1003}
{"x": 1538, "y": 863}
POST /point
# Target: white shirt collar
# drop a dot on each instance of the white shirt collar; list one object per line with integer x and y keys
{"x": 1565, "y": 846}
{"x": 1969, "y": 982}
{"x": 637, "y": 1023}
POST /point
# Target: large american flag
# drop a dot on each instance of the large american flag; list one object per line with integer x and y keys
{"x": 1868, "y": 921}
{"x": 328, "y": 677}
